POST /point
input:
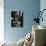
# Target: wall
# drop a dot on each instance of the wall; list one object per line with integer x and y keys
{"x": 43, "y": 6}
{"x": 1, "y": 20}
{"x": 29, "y": 7}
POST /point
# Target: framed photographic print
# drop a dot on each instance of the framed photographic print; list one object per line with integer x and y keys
{"x": 17, "y": 19}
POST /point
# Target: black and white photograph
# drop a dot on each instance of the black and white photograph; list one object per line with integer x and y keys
{"x": 16, "y": 19}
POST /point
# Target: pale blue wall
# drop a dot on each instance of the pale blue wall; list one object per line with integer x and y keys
{"x": 43, "y": 6}
{"x": 29, "y": 7}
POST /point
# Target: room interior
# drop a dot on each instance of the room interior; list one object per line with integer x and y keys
{"x": 20, "y": 36}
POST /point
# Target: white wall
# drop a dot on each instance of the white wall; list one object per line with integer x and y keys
{"x": 1, "y": 21}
